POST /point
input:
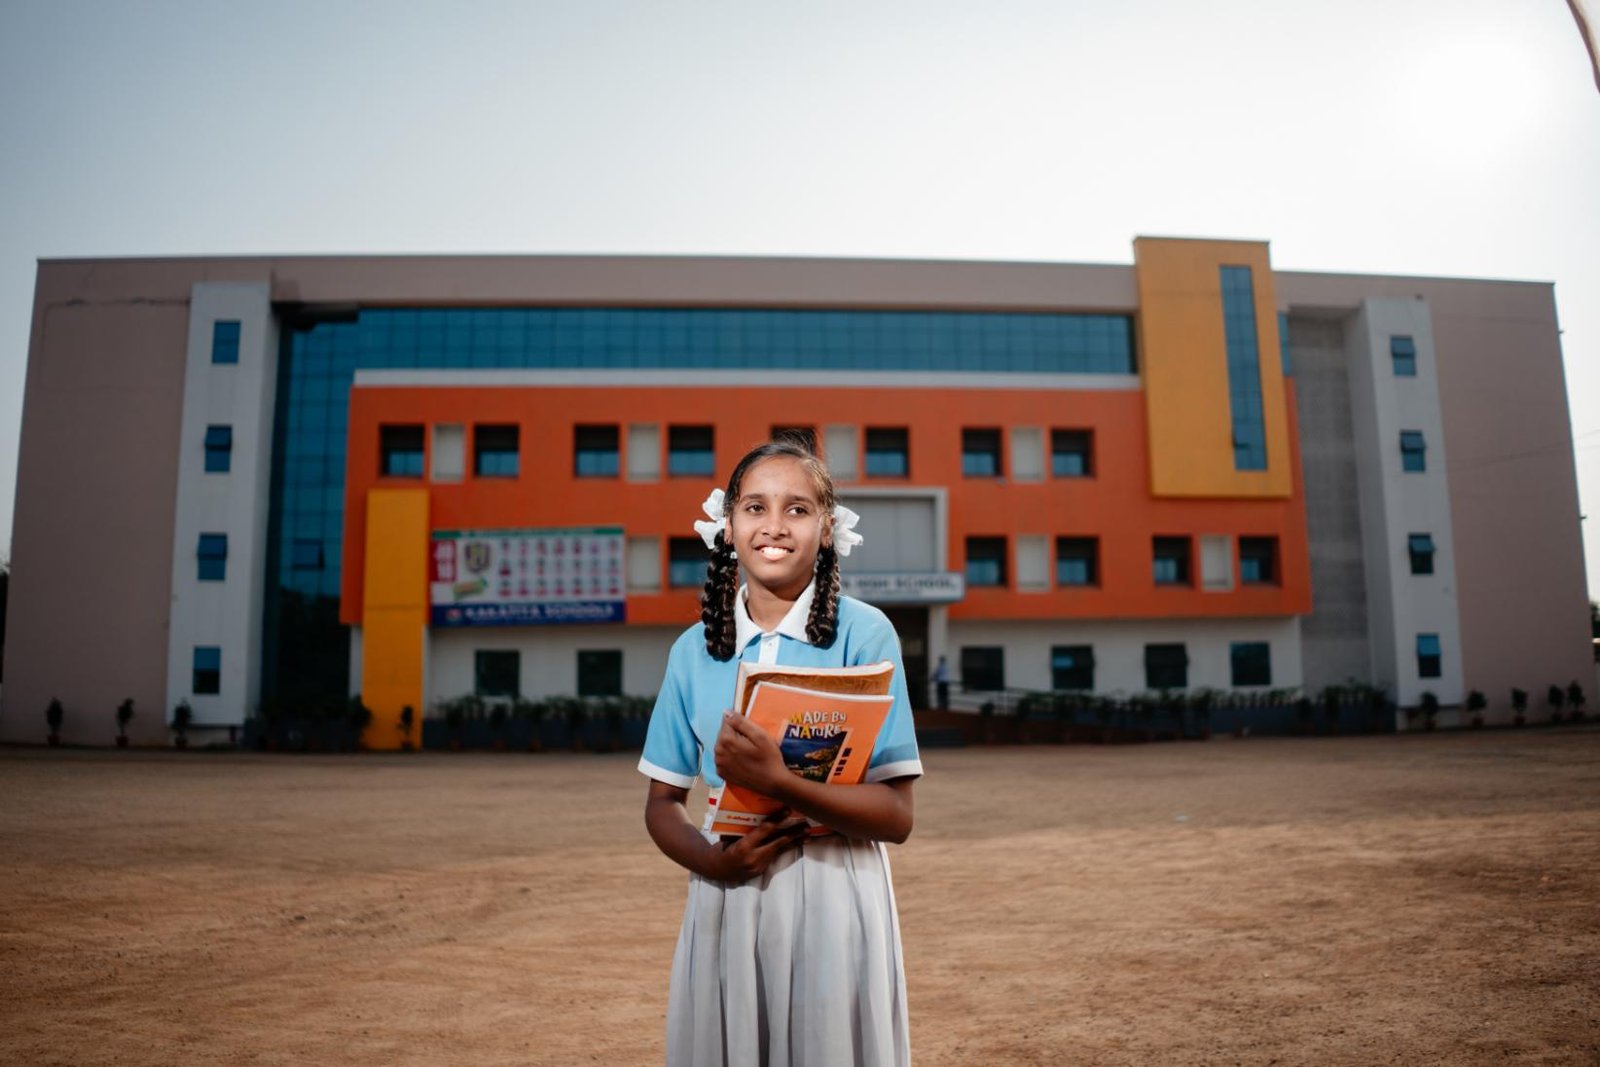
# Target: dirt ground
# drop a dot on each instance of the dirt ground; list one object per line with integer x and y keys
{"x": 1417, "y": 899}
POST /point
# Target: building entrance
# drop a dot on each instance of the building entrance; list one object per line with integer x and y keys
{"x": 912, "y": 626}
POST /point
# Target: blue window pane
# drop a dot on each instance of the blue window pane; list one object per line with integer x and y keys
{"x": 212, "y": 556}
{"x": 983, "y": 572}
{"x": 1427, "y": 644}
{"x": 306, "y": 554}
{"x": 225, "y": 342}
{"x": 1403, "y": 351}
{"x": 219, "y": 449}
{"x": 886, "y": 464}
{"x": 207, "y": 658}
{"x": 1413, "y": 451}
{"x": 207, "y": 675}
{"x": 1072, "y": 572}
{"x": 1430, "y": 656}
{"x": 1244, "y": 369}
{"x": 686, "y": 573}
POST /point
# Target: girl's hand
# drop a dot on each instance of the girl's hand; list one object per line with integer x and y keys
{"x": 743, "y": 858}
{"x": 747, "y": 756}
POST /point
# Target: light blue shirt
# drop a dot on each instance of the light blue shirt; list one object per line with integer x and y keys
{"x": 698, "y": 689}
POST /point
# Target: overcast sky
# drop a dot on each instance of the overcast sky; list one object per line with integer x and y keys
{"x": 1380, "y": 136}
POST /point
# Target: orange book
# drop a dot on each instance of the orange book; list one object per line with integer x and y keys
{"x": 824, "y": 734}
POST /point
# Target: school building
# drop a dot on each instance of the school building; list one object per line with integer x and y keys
{"x": 297, "y": 478}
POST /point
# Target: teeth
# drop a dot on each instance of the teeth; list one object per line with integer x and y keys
{"x": 774, "y": 552}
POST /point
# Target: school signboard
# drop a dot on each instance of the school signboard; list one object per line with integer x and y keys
{"x": 526, "y": 577}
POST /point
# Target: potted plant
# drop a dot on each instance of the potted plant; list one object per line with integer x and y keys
{"x": 1555, "y": 696}
{"x": 1476, "y": 702}
{"x": 1519, "y": 706}
{"x": 53, "y": 714}
{"x": 408, "y": 715}
{"x": 498, "y": 714}
{"x": 182, "y": 716}
{"x": 1429, "y": 708}
{"x": 124, "y": 716}
{"x": 1332, "y": 695}
{"x": 530, "y": 712}
{"x": 1575, "y": 701}
{"x": 357, "y": 717}
{"x": 455, "y": 717}
{"x": 1303, "y": 711}
{"x": 1200, "y": 703}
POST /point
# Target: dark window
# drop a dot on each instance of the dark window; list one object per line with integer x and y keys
{"x": 1252, "y": 662}
{"x": 1166, "y": 667}
{"x": 1072, "y": 667}
{"x": 496, "y": 451}
{"x": 686, "y": 562}
{"x": 207, "y": 670}
{"x": 497, "y": 673}
{"x": 219, "y": 449}
{"x": 225, "y": 342}
{"x": 600, "y": 673}
{"x": 1420, "y": 547}
{"x": 1413, "y": 451}
{"x": 980, "y": 453}
{"x": 402, "y": 450}
{"x": 1171, "y": 558}
{"x": 213, "y": 553}
{"x": 983, "y": 669}
{"x": 1072, "y": 453}
{"x": 595, "y": 452}
{"x": 1244, "y": 370}
{"x": 804, "y": 436}
{"x": 1428, "y": 656}
{"x": 888, "y": 452}
{"x": 306, "y": 554}
{"x": 1077, "y": 561}
{"x": 1258, "y": 560}
{"x": 1404, "y": 352}
{"x": 691, "y": 451}
{"x": 986, "y": 561}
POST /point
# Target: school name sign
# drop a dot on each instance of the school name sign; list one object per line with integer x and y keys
{"x": 527, "y": 577}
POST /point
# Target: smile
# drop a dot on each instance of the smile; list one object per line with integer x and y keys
{"x": 773, "y": 551}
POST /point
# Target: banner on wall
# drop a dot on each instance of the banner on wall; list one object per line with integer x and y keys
{"x": 526, "y": 577}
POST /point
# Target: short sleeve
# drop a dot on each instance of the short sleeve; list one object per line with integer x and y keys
{"x": 895, "y": 755}
{"x": 671, "y": 750}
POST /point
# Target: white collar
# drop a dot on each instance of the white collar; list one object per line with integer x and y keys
{"x": 793, "y": 624}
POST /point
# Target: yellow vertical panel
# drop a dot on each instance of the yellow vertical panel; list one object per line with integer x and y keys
{"x": 394, "y": 612}
{"x": 1184, "y": 365}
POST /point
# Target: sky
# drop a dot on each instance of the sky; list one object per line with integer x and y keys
{"x": 1456, "y": 139}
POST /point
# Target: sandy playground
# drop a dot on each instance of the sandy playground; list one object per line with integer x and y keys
{"x": 1418, "y": 899}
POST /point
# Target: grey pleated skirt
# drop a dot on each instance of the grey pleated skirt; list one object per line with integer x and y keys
{"x": 800, "y": 967}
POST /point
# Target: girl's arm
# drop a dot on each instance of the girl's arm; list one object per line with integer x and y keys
{"x": 879, "y": 811}
{"x": 677, "y": 837}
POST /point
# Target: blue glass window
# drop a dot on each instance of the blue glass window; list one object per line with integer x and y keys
{"x": 207, "y": 677}
{"x": 691, "y": 451}
{"x": 1077, "y": 561}
{"x": 1413, "y": 451}
{"x": 686, "y": 562}
{"x": 986, "y": 561}
{"x": 1403, "y": 350}
{"x": 888, "y": 452}
{"x": 219, "y": 449}
{"x": 1166, "y": 666}
{"x": 1429, "y": 656}
{"x": 595, "y": 451}
{"x": 225, "y": 342}
{"x": 1258, "y": 560}
{"x": 1244, "y": 370}
{"x": 306, "y": 554}
{"x": 1283, "y": 342}
{"x": 980, "y": 453}
{"x": 213, "y": 557}
{"x": 1072, "y": 667}
{"x": 496, "y": 451}
{"x": 401, "y": 451}
{"x": 1071, "y": 453}
{"x": 1420, "y": 548}
{"x": 1251, "y": 662}
{"x": 1171, "y": 560}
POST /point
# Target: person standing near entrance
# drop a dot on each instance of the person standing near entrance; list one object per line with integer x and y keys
{"x": 941, "y": 683}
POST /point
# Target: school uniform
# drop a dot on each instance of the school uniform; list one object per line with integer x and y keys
{"x": 801, "y": 965}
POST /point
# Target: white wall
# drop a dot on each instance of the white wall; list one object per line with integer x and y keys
{"x": 549, "y": 657}
{"x": 226, "y": 614}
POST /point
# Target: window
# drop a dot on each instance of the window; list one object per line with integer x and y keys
{"x": 980, "y": 453}
{"x": 1403, "y": 350}
{"x": 1171, "y": 560}
{"x": 1428, "y": 656}
{"x": 1420, "y": 547}
{"x": 986, "y": 561}
{"x": 225, "y": 342}
{"x": 1071, "y": 453}
{"x": 305, "y": 554}
{"x": 599, "y": 672}
{"x": 1166, "y": 667}
{"x": 1072, "y": 667}
{"x": 1258, "y": 560}
{"x": 1077, "y": 561}
{"x": 219, "y": 449}
{"x": 804, "y": 436}
{"x": 213, "y": 553}
{"x": 1251, "y": 662}
{"x": 1413, "y": 451}
{"x": 595, "y": 452}
{"x": 686, "y": 563}
{"x": 207, "y": 670}
{"x": 691, "y": 452}
{"x": 401, "y": 450}
{"x": 888, "y": 453}
{"x": 448, "y": 461}
{"x": 983, "y": 669}
{"x": 495, "y": 451}
{"x": 497, "y": 673}
{"x": 1244, "y": 369}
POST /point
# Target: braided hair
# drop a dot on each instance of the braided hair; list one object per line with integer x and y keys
{"x": 718, "y": 600}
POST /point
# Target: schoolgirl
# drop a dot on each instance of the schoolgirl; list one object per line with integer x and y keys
{"x": 789, "y": 954}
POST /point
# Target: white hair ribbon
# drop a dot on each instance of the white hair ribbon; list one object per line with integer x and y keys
{"x": 844, "y": 529}
{"x": 713, "y": 508}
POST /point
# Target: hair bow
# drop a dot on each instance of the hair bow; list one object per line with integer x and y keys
{"x": 713, "y": 508}
{"x": 844, "y": 529}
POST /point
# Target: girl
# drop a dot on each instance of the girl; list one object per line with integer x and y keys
{"x": 789, "y": 954}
